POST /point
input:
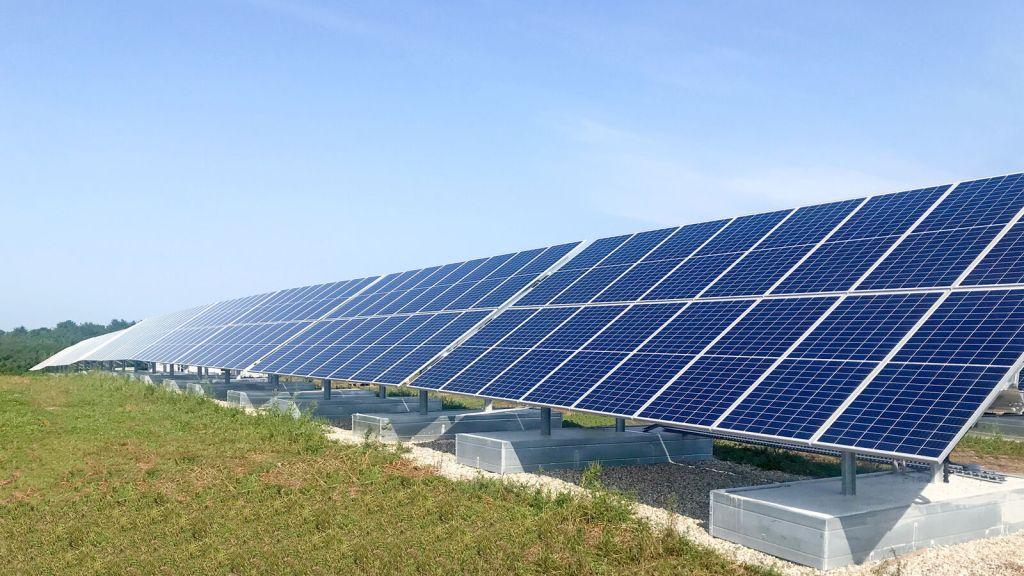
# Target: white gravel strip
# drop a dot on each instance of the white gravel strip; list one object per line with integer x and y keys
{"x": 1003, "y": 556}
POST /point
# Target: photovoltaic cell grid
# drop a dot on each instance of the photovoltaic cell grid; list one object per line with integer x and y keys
{"x": 796, "y": 325}
{"x": 143, "y": 335}
{"x": 397, "y": 325}
{"x": 198, "y": 329}
{"x": 718, "y": 356}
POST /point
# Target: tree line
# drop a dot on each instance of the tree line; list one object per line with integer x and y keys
{"x": 21, "y": 348}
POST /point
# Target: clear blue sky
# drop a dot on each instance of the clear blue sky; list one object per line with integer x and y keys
{"x": 158, "y": 156}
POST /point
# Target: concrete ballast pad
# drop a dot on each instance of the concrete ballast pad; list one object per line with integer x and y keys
{"x": 418, "y": 427}
{"x": 811, "y": 523}
{"x": 510, "y": 452}
{"x": 342, "y": 407}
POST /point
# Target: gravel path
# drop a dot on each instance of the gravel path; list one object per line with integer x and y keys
{"x": 684, "y": 488}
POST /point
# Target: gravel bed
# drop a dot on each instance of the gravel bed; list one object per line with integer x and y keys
{"x": 681, "y": 488}
{"x": 443, "y": 445}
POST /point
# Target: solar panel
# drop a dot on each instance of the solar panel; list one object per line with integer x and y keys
{"x": 396, "y": 325}
{"x": 882, "y": 325}
{"x": 771, "y": 326}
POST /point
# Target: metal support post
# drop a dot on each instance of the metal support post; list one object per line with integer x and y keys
{"x": 170, "y": 367}
{"x": 545, "y": 421}
{"x": 327, "y": 389}
{"x": 620, "y": 424}
{"x": 274, "y": 380}
{"x": 382, "y": 391}
{"x": 227, "y": 376}
{"x": 488, "y": 405}
{"x": 424, "y": 402}
{"x": 848, "y": 467}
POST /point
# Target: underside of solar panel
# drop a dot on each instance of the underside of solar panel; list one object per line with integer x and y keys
{"x": 883, "y": 325}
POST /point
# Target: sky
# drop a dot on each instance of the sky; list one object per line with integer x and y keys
{"x": 155, "y": 156}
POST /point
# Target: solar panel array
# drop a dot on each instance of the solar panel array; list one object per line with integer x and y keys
{"x": 404, "y": 320}
{"x": 884, "y": 324}
{"x": 861, "y": 324}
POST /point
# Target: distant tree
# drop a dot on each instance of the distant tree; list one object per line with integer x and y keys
{"x": 21, "y": 348}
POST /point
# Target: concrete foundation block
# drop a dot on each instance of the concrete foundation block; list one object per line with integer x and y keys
{"x": 510, "y": 452}
{"x": 416, "y": 427}
{"x": 1009, "y": 427}
{"x": 340, "y": 408}
{"x": 811, "y": 523}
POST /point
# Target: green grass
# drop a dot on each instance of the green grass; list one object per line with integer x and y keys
{"x": 789, "y": 461}
{"x": 99, "y": 475}
{"x": 992, "y": 446}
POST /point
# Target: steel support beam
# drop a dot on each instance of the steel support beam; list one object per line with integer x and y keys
{"x": 848, "y": 467}
{"x": 545, "y": 421}
{"x": 424, "y": 402}
{"x": 620, "y": 424}
{"x": 382, "y": 391}
{"x": 327, "y": 389}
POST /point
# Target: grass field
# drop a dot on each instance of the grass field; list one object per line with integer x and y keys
{"x": 99, "y": 475}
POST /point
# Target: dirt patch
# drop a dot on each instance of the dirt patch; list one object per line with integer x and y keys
{"x": 1007, "y": 464}
{"x": 410, "y": 469}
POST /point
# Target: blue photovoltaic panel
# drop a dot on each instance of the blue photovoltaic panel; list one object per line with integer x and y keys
{"x": 771, "y": 259}
{"x": 484, "y": 367}
{"x": 521, "y": 376}
{"x": 915, "y": 409}
{"x": 984, "y": 327}
{"x": 835, "y": 266}
{"x": 685, "y": 241}
{"x": 590, "y": 284}
{"x": 742, "y": 233}
{"x": 198, "y": 329}
{"x": 992, "y": 201}
{"x": 888, "y": 214}
{"x": 637, "y": 247}
{"x": 930, "y": 259}
{"x": 809, "y": 225}
{"x": 632, "y": 328}
{"x": 696, "y": 327}
{"x": 637, "y": 281}
{"x": 738, "y": 359}
{"x": 143, "y": 335}
{"x": 269, "y": 324}
{"x": 551, "y": 286}
{"x": 1004, "y": 264}
{"x": 629, "y": 386}
{"x": 609, "y": 347}
{"x": 758, "y": 271}
{"x": 706, "y": 389}
{"x": 594, "y": 253}
{"x": 419, "y": 321}
{"x": 865, "y": 327}
{"x": 444, "y": 370}
{"x": 657, "y": 264}
{"x": 582, "y": 288}
{"x": 797, "y": 397}
{"x": 566, "y": 384}
{"x": 583, "y": 325}
{"x": 691, "y": 277}
{"x": 771, "y": 327}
